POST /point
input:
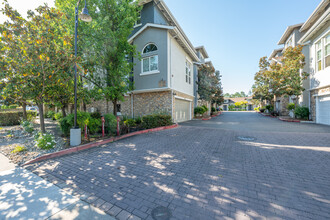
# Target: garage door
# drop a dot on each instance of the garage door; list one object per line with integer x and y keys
{"x": 323, "y": 110}
{"x": 181, "y": 110}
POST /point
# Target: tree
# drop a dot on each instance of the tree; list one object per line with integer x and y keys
{"x": 104, "y": 45}
{"x": 291, "y": 75}
{"x": 280, "y": 79}
{"x": 44, "y": 47}
{"x": 205, "y": 83}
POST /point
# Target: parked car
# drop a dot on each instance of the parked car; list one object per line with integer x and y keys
{"x": 33, "y": 108}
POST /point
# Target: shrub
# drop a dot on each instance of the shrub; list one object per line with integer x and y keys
{"x": 130, "y": 123}
{"x": 96, "y": 115}
{"x": 50, "y": 114}
{"x": 9, "y": 106}
{"x": 58, "y": 116}
{"x": 213, "y": 109}
{"x": 18, "y": 149}
{"x": 110, "y": 123}
{"x": 262, "y": 109}
{"x": 27, "y": 126}
{"x": 94, "y": 125}
{"x": 45, "y": 141}
{"x": 270, "y": 108}
{"x": 31, "y": 115}
{"x": 257, "y": 109}
{"x": 156, "y": 120}
{"x": 138, "y": 120}
{"x": 199, "y": 110}
{"x": 301, "y": 112}
{"x": 291, "y": 106}
{"x": 10, "y": 118}
{"x": 206, "y": 108}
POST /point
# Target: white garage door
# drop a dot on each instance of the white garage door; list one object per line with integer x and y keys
{"x": 181, "y": 110}
{"x": 323, "y": 110}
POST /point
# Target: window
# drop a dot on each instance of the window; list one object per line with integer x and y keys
{"x": 150, "y": 64}
{"x": 289, "y": 43}
{"x": 150, "y": 48}
{"x": 327, "y": 51}
{"x": 188, "y": 72}
{"x": 138, "y": 21}
{"x": 319, "y": 56}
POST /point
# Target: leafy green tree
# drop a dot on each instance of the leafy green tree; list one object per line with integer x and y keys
{"x": 104, "y": 46}
{"x": 291, "y": 75}
{"x": 43, "y": 46}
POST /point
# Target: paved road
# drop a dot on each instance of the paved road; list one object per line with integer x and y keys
{"x": 236, "y": 166}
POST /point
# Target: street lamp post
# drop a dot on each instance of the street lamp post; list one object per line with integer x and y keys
{"x": 75, "y": 132}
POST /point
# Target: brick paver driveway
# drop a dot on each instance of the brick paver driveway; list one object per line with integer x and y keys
{"x": 236, "y": 166}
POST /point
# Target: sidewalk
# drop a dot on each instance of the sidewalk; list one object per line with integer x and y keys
{"x": 24, "y": 195}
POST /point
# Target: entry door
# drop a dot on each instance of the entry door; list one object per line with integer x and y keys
{"x": 182, "y": 110}
{"x": 323, "y": 110}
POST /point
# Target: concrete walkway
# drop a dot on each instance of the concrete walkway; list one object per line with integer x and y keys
{"x": 24, "y": 195}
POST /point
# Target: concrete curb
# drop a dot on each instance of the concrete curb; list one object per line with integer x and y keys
{"x": 289, "y": 120}
{"x": 96, "y": 144}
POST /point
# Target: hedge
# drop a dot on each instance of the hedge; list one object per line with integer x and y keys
{"x": 156, "y": 120}
{"x": 14, "y": 118}
{"x": 10, "y": 118}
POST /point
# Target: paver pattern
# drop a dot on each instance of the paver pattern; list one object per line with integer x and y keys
{"x": 201, "y": 170}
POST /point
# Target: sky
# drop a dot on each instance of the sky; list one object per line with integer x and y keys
{"x": 235, "y": 33}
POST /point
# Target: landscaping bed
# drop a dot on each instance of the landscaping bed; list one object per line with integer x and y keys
{"x": 22, "y": 143}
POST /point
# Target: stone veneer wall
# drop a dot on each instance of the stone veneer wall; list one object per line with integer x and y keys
{"x": 152, "y": 102}
{"x": 284, "y": 100}
{"x": 183, "y": 95}
{"x": 312, "y": 109}
{"x": 101, "y": 106}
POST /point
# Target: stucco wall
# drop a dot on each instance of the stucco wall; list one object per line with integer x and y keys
{"x": 178, "y": 59}
{"x": 158, "y": 80}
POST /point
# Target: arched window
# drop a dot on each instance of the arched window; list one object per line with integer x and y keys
{"x": 150, "y": 48}
{"x": 150, "y": 62}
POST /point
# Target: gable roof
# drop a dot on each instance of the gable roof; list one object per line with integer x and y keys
{"x": 176, "y": 31}
{"x": 317, "y": 21}
{"x": 273, "y": 54}
{"x": 288, "y": 32}
{"x": 315, "y": 15}
{"x": 239, "y": 99}
{"x": 203, "y": 51}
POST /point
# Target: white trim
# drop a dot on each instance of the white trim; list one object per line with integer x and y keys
{"x": 321, "y": 87}
{"x": 148, "y": 45}
{"x": 182, "y": 98}
{"x": 149, "y": 73}
{"x": 315, "y": 13}
{"x": 287, "y": 33}
{"x": 138, "y": 25}
{"x": 151, "y": 90}
{"x": 147, "y": 26}
{"x": 319, "y": 23}
{"x": 152, "y": 71}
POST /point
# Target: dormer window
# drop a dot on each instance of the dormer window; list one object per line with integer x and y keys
{"x": 149, "y": 60}
{"x": 138, "y": 21}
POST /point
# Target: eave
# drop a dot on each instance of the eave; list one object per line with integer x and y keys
{"x": 322, "y": 22}
{"x": 272, "y": 55}
{"x": 203, "y": 50}
{"x": 288, "y": 32}
{"x": 315, "y": 15}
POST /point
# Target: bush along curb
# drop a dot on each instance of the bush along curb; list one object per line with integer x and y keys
{"x": 96, "y": 144}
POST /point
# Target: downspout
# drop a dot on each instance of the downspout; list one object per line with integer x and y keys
{"x": 170, "y": 72}
{"x": 132, "y": 102}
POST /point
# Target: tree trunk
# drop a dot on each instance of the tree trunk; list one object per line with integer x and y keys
{"x": 84, "y": 107}
{"x": 114, "y": 107}
{"x": 63, "y": 111}
{"x": 41, "y": 117}
{"x": 24, "y": 112}
{"x": 108, "y": 110}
